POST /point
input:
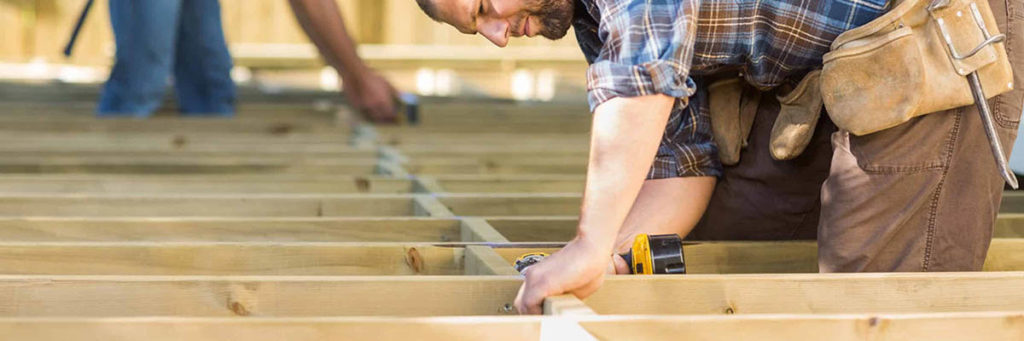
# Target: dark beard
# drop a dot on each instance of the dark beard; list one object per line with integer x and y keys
{"x": 556, "y": 16}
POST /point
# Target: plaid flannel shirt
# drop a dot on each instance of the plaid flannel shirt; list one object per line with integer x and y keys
{"x": 646, "y": 47}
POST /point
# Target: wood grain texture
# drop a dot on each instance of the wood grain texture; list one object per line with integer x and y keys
{"x": 148, "y": 229}
{"x": 276, "y": 296}
{"x": 227, "y": 259}
{"x": 194, "y": 205}
{"x": 811, "y": 293}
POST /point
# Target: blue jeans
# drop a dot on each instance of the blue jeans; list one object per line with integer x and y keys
{"x": 156, "y": 37}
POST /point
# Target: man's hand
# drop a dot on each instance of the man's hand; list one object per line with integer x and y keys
{"x": 624, "y": 140}
{"x": 578, "y": 268}
{"x": 371, "y": 94}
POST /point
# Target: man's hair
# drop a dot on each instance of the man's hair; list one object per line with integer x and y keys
{"x": 428, "y": 7}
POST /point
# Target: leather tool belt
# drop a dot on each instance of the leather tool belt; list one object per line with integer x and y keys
{"x": 913, "y": 61}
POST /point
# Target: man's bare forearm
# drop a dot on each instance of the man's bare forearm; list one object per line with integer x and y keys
{"x": 322, "y": 22}
{"x": 624, "y": 140}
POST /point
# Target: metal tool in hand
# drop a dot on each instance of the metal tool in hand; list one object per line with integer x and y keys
{"x": 976, "y": 90}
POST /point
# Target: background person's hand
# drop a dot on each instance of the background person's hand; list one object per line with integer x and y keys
{"x": 371, "y": 94}
{"x": 578, "y": 268}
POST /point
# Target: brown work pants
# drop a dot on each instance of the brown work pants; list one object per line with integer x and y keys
{"x": 922, "y": 196}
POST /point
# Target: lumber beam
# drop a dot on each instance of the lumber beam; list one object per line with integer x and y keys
{"x": 927, "y": 326}
{"x": 508, "y": 183}
{"x": 272, "y": 329}
{"x": 512, "y": 204}
{"x": 282, "y": 296}
{"x": 274, "y": 296}
{"x": 743, "y": 257}
{"x": 148, "y": 229}
{"x": 482, "y": 261}
{"x": 195, "y": 205}
{"x": 184, "y": 184}
{"x": 478, "y": 230}
{"x": 188, "y": 165}
{"x": 238, "y": 259}
{"x": 849, "y": 327}
{"x": 810, "y": 293}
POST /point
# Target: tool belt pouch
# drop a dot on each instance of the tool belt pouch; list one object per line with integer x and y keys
{"x": 913, "y": 61}
{"x": 732, "y": 107}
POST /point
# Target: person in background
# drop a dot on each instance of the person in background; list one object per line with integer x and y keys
{"x": 184, "y": 40}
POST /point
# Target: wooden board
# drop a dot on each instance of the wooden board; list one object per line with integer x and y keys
{"x": 232, "y": 259}
{"x": 785, "y": 256}
{"x": 126, "y": 184}
{"x": 512, "y": 205}
{"x": 149, "y": 229}
{"x": 275, "y": 296}
{"x": 273, "y": 329}
{"x": 253, "y": 205}
{"x": 930, "y": 326}
{"x": 810, "y": 293}
{"x": 282, "y": 296}
{"x": 534, "y": 183}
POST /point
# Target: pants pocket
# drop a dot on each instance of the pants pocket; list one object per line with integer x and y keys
{"x": 921, "y": 144}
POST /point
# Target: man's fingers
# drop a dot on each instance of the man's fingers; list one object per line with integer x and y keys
{"x": 589, "y": 288}
{"x": 518, "y": 303}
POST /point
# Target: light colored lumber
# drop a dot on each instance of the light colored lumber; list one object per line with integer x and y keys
{"x": 426, "y": 184}
{"x": 428, "y": 206}
{"x": 810, "y": 293}
{"x": 274, "y": 296}
{"x": 486, "y": 165}
{"x": 478, "y": 230}
{"x": 536, "y": 229}
{"x": 201, "y": 184}
{"x": 996, "y": 326}
{"x": 243, "y": 229}
{"x": 280, "y": 126}
{"x": 533, "y": 183}
{"x": 566, "y": 305}
{"x": 282, "y": 296}
{"x": 238, "y": 259}
{"x": 741, "y": 257}
{"x": 482, "y": 260}
{"x": 1009, "y": 225}
{"x": 512, "y": 204}
{"x": 188, "y": 165}
{"x": 172, "y": 205}
{"x": 272, "y": 329}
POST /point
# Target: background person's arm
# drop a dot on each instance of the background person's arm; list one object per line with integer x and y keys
{"x": 364, "y": 88}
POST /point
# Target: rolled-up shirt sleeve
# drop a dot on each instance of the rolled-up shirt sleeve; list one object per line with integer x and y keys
{"x": 647, "y": 49}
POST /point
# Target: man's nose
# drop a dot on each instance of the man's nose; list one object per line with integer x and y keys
{"x": 494, "y": 30}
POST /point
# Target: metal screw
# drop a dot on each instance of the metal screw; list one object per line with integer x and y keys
{"x": 507, "y": 308}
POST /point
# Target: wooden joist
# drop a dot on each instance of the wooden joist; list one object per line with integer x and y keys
{"x": 205, "y": 183}
{"x": 170, "y": 205}
{"x": 770, "y": 327}
{"x": 244, "y": 229}
{"x": 762, "y": 257}
{"x": 233, "y": 259}
{"x": 286, "y": 296}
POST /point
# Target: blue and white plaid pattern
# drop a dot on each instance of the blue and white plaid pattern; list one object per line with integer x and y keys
{"x": 644, "y": 47}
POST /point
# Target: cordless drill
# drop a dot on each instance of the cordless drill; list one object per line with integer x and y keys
{"x": 650, "y": 254}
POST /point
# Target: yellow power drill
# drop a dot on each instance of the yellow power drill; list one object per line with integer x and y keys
{"x": 650, "y": 254}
